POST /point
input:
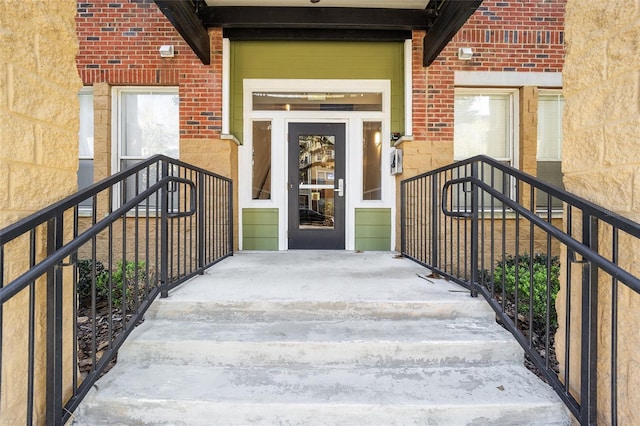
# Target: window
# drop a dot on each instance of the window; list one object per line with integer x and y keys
{"x": 316, "y": 101}
{"x": 147, "y": 124}
{"x": 485, "y": 124}
{"x": 371, "y": 160}
{"x": 85, "y": 136}
{"x": 261, "y": 161}
{"x": 549, "y": 153}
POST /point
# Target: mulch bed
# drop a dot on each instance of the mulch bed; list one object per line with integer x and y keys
{"x": 538, "y": 339}
{"x": 103, "y": 337}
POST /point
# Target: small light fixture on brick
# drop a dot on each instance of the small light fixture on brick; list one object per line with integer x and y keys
{"x": 465, "y": 53}
{"x": 166, "y": 51}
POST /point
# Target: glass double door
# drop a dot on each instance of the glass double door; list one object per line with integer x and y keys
{"x": 316, "y": 185}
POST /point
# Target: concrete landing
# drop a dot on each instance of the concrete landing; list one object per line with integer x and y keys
{"x": 320, "y": 338}
{"x": 309, "y": 275}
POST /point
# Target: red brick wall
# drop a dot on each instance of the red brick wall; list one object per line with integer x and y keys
{"x": 419, "y": 88}
{"x": 119, "y": 42}
{"x": 522, "y": 36}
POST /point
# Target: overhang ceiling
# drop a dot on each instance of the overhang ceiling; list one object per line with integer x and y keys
{"x": 384, "y": 4}
{"x": 368, "y": 20}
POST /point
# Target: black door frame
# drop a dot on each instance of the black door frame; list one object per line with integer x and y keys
{"x": 320, "y": 238}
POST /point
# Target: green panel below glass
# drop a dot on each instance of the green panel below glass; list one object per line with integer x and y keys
{"x": 373, "y": 229}
{"x": 370, "y": 244}
{"x": 265, "y": 244}
{"x": 260, "y": 229}
{"x": 260, "y": 216}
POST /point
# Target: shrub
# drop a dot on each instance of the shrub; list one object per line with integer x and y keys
{"x": 85, "y": 274}
{"x": 120, "y": 275}
{"x": 526, "y": 265}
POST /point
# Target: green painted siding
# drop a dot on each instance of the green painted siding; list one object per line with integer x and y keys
{"x": 319, "y": 60}
{"x": 373, "y": 229}
{"x": 260, "y": 229}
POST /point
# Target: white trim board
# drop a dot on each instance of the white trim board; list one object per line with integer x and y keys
{"x": 507, "y": 79}
{"x": 280, "y": 121}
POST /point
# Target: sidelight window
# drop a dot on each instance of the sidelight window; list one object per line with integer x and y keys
{"x": 261, "y": 161}
{"x": 371, "y": 160}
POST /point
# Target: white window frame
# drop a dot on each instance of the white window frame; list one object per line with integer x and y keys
{"x": 539, "y": 158}
{"x": 550, "y": 92}
{"x": 513, "y": 124}
{"x": 117, "y": 129}
{"x": 117, "y": 119}
{"x": 86, "y": 208}
{"x": 86, "y": 91}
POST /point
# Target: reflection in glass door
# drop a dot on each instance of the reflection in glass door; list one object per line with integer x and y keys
{"x": 316, "y": 185}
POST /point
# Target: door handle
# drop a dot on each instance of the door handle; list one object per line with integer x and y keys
{"x": 340, "y": 188}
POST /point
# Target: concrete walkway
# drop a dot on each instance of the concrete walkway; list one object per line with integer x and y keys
{"x": 336, "y": 276}
{"x": 320, "y": 338}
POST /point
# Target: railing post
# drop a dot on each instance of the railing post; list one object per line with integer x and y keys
{"x": 589, "y": 345}
{"x": 435, "y": 228}
{"x": 201, "y": 218}
{"x": 164, "y": 233}
{"x": 403, "y": 219}
{"x": 230, "y": 189}
{"x": 54, "y": 326}
{"x": 474, "y": 230}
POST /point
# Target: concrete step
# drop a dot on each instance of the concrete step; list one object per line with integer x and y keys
{"x": 455, "y": 306}
{"x": 424, "y": 341}
{"x": 327, "y": 395}
{"x": 320, "y": 338}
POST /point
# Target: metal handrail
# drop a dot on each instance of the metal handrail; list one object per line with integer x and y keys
{"x": 55, "y": 259}
{"x": 183, "y": 231}
{"x": 617, "y": 220}
{"x": 18, "y": 228}
{"x": 477, "y": 219}
{"x": 590, "y": 255}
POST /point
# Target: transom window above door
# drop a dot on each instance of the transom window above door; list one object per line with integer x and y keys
{"x": 316, "y": 101}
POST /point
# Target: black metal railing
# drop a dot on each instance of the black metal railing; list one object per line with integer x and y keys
{"x": 513, "y": 239}
{"x": 77, "y": 277}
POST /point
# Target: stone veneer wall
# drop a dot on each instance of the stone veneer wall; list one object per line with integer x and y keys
{"x": 601, "y": 162}
{"x": 38, "y": 164}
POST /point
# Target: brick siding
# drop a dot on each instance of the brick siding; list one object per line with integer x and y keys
{"x": 119, "y": 42}
{"x": 522, "y": 36}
